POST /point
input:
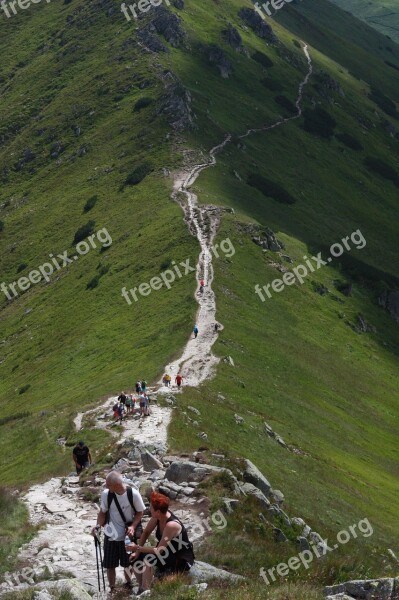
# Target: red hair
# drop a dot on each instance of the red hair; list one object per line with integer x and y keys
{"x": 159, "y": 502}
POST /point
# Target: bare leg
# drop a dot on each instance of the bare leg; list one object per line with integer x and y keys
{"x": 147, "y": 577}
{"x": 111, "y": 575}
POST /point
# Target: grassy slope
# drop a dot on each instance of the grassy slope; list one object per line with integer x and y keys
{"x": 383, "y": 15}
{"x": 324, "y": 388}
{"x": 77, "y": 345}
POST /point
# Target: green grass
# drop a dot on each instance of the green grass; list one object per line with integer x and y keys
{"x": 383, "y": 15}
{"x": 326, "y": 389}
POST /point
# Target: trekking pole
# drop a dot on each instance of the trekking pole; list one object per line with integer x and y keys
{"x": 101, "y": 563}
{"x": 98, "y": 568}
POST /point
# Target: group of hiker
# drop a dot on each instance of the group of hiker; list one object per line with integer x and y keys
{"x": 167, "y": 380}
{"x": 126, "y": 403}
{"x": 121, "y": 512}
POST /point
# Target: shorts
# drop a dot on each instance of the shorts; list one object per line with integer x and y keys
{"x": 168, "y": 566}
{"x": 115, "y": 554}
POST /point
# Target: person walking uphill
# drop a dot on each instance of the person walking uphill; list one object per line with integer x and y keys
{"x": 195, "y": 330}
{"x": 121, "y": 511}
{"x": 173, "y": 553}
{"x": 178, "y": 380}
{"x": 81, "y": 456}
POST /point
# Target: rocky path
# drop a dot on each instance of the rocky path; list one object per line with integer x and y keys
{"x": 197, "y": 361}
{"x": 65, "y": 544}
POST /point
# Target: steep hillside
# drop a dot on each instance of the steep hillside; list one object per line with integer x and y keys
{"x": 382, "y": 15}
{"x": 98, "y": 115}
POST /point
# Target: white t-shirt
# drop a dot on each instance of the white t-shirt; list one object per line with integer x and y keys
{"x": 115, "y": 530}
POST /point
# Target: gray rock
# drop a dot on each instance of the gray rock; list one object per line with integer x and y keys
{"x": 231, "y": 504}
{"x": 71, "y": 587}
{"x": 150, "y": 462}
{"x": 257, "y": 24}
{"x": 194, "y": 410}
{"x": 279, "y": 536}
{"x": 303, "y": 543}
{"x": 167, "y": 492}
{"x": 239, "y": 420}
{"x": 229, "y": 360}
{"x": 156, "y": 475}
{"x": 254, "y": 476}
{"x": 276, "y": 496}
{"x": 216, "y": 56}
{"x": 250, "y": 490}
{"x": 202, "y": 572}
{"x": 189, "y": 471}
{"x": 232, "y": 37}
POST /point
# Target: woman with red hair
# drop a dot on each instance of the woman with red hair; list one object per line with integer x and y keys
{"x": 173, "y": 552}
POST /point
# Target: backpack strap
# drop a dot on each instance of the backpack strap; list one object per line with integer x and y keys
{"x": 113, "y": 497}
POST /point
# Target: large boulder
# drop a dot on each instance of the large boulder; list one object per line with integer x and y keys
{"x": 258, "y": 25}
{"x": 254, "y": 476}
{"x": 201, "y": 572}
{"x": 149, "y": 462}
{"x": 190, "y": 471}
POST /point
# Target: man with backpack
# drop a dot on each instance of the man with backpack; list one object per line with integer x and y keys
{"x": 121, "y": 511}
{"x": 81, "y": 457}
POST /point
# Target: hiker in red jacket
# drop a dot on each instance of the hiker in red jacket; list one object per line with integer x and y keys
{"x": 178, "y": 380}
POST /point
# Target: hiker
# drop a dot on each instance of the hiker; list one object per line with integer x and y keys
{"x": 143, "y": 385}
{"x": 178, "y": 380}
{"x": 146, "y": 405}
{"x": 81, "y": 456}
{"x": 142, "y": 404}
{"x": 129, "y": 403}
{"x": 120, "y": 411}
{"x": 195, "y": 330}
{"x": 138, "y": 387}
{"x": 216, "y": 327}
{"x": 121, "y": 511}
{"x": 202, "y": 285}
{"x": 166, "y": 379}
{"x": 122, "y": 398}
{"x": 173, "y": 552}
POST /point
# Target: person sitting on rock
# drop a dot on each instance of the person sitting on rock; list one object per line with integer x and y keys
{"x": 173, "y": 552}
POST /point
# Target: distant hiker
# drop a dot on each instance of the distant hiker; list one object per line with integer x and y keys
{"x": 120, "y": 411}
{"x": 122, "y": 398}
{"x": 178, "y": 380}
{"x": 166, "y": 379}
{"x": 195, "y": 331}
{"x": 173, "y": 553}
{"x": 216, "y": 327}
{"x": 142, "y": 404}
{"x": 138, "y": 387}
{"x": 115, "y": 410}
{"x": 202, "y": 284}
{"x": 129, "y": 404}
{"x": 81, "y": 457}
{"x": 146, "y": 405}
{"x": 143, "y": 385}
{"x": 121, "y": 511}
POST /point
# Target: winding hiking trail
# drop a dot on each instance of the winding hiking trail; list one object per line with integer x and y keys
{"x": 65, "y": 545}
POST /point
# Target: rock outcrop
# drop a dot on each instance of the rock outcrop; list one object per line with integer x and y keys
{"x": 390, "y": 301}
{"x": 371, "y": 589}
{"x": 258, "y": 25}
{"x": 217, "y": 57}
